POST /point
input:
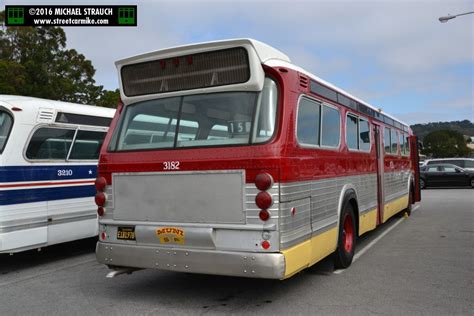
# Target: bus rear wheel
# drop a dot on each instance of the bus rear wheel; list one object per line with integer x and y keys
{"x": 347, "y": 238}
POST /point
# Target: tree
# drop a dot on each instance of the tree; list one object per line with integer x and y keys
{"x": 109, "y": 99}
{"x": 445, "y": 143}
{"x": 35, "y": 62}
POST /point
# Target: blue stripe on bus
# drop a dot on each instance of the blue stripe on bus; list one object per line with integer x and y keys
{"x": 45, "y": 194}
{"x": 42, "y": 173}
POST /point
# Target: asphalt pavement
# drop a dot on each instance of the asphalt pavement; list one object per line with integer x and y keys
{"x": 419, "y": 265}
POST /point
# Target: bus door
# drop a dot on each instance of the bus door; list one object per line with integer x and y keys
{"x": 380, "y": 171}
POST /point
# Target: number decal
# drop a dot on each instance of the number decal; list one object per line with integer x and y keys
{"x": 64, "y": 172}
{"x": 171, "y": 165}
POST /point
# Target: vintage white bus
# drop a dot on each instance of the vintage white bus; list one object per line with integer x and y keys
{"x": 48, "y": 163}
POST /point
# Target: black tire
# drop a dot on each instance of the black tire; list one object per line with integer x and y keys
{"x": 410, "y": 201}
{"x": 422, "y": 183}
{"x": 343, "y": 256}
{"x": 472, "y": 183}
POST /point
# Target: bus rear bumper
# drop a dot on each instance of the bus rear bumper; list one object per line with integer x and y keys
{"x": 242, "y": 264}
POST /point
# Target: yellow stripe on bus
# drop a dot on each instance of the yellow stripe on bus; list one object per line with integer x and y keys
{"x": 309, "y": 252}
{"x": 394, "y": 207}
{"x": 367, "y": 221}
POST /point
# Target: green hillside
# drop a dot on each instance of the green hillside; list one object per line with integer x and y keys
{"x": 465, "y": 127}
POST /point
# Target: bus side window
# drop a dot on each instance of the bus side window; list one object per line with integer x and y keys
{"x": 308, "y": 122}
{"x": 6, "y": 123}
{"x": 407, "y": 145}
{"x": 50, "y": 143}
{"x": 394, "y": 143}
{"x": 87, "y": 145}
{"x": 364, "y": 135}
{"x": 330, "y": 127}
{"x": 386, "y": 139}
{"x": 351, "y": 132}
{"x": 401, "y": 139}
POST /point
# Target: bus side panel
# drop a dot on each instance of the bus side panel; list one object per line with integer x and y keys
{"x": 23, "y": 226}
{"x": 71, "y": 219}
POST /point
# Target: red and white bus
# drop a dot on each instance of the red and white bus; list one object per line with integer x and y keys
{"x": 226, "y": 158}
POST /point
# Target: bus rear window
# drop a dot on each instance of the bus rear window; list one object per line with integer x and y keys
{"x": 6, "y": 123}
{"x": 217, "y": 119}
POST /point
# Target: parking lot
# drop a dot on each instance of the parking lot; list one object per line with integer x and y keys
{"x": 419, "y": 265}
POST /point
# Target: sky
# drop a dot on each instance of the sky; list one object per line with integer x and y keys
{"x": 393, "y": 54}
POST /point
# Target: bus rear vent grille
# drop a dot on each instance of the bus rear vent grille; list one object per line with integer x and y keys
{"x": 304, "y": 82}
{"x": 195, "y": 71}
{"x": 45, "y": 115}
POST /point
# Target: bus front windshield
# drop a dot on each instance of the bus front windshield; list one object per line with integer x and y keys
{"x": 6, "y": 123}
{"x": 216, "y": 119}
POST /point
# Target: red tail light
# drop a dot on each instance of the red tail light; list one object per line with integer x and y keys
{"x": 100, "y": 184}
{"x": 265, "y": 244}
{"x": 100, "y": 211}
{"x": 264, "y": 215}
{"x": 263, "y": 200}
{"x": 100, "y": 198}
{"x": 263, "y": 181}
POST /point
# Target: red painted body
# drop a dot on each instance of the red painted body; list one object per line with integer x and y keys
{"x": 282, "y": 157}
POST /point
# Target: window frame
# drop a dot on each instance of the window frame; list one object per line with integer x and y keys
{"x": 396, "y": 153}
{"x": 357, "y": 132}
{"x": 321, "y": 104}
{"x": 321, "y": 127}
{"x": 307, "y": 145}
{"x": 390, "y": 141}
{"x": 406, "y": 145}
{"x": 75, "y": 128}
{"x": 359, "y": 118}
{"x": 4, "y": 110}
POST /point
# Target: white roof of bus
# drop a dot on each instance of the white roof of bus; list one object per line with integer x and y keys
{"x": 33, "y": 104}
{"x": 265, "y": 52}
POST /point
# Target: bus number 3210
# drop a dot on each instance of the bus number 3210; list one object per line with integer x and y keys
{"x": 64, "y": 172}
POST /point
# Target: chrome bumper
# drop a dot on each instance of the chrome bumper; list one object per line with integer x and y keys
{"x": 242, "y": 264}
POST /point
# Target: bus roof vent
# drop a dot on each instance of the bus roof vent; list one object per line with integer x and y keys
{"x": 304, "y": 81}
{"x": 45, "y": 115}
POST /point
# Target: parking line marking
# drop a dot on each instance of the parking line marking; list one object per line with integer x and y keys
{"x": 373, "y": 242}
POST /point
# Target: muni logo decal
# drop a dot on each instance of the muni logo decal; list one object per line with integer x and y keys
{"x": 171, "y": 235}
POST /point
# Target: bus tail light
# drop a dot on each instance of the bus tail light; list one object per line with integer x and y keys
{"x": 264, "y": 215}
{"x": 263, "y": 200}
{"x": 100, "y": 211}
{"x": 263, "y": 181}
{"x": 103, "y": 235}
{"x": 100, "y": 184}
{"x": 100, "y": 198}
{"x": 265, "y": 244}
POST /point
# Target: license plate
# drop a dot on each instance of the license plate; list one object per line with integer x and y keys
{"x": 126, "y": 233}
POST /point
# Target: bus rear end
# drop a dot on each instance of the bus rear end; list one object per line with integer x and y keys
{"x": 188, "y": 178}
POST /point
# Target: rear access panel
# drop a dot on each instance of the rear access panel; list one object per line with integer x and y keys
{"x": 183, "y": 197}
